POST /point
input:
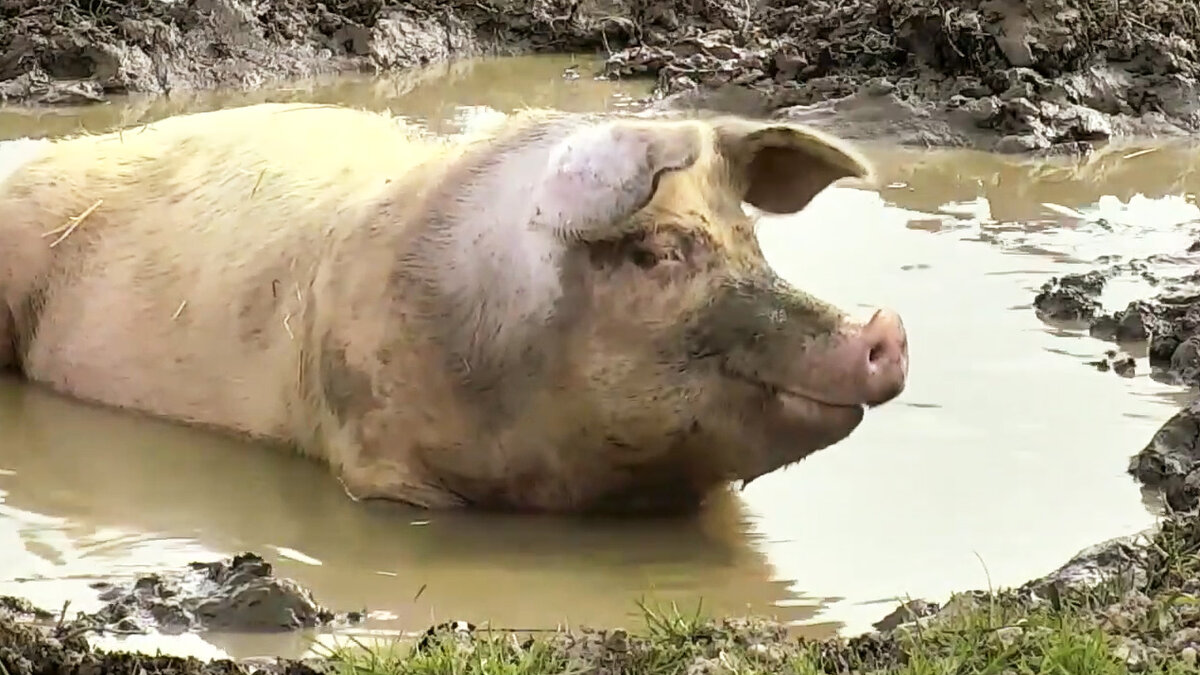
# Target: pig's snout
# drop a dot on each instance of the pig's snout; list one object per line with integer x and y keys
{"x": 879, "y": 352}
{"x": 866, "y": 364}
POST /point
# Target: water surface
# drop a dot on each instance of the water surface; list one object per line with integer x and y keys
{"x": 1005, "y": 455}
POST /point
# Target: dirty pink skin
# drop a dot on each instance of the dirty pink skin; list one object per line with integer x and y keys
{"x": 557, "y": 313}
{"x": 822, "y": 400}
{"x": 868, "y": 366}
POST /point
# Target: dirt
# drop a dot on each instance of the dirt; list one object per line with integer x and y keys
{"x": 1131, "y": 587}
{"x": 1071, "y": 297}
{"x": 1139, "y": 589}
{"x": 239, "y": 594}
{"x": 32, "y": 643}
{"x": 1118, "y": 362}
{"x": 1042, "y": 76}
{"x": 1170, "y": 462}
{"x": 1167, "y": 326}
{"x": 79, "y": 51}
{"x": 1002, "y": 75}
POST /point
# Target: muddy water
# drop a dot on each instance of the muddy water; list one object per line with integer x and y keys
{"x": 1004, "y": 456}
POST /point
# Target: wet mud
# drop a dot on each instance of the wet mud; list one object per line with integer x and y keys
{"x": 34, "y": 642}
{"x": 1047, "y": 76}
{"x": 241, "y": 594}
{"x": 1170, "y": 462}
{"x": 1166, "y": 325}
{"x": 81, "y": 51}
{"x": 1043, "y": 76}
{"x": 1130, "y": 588}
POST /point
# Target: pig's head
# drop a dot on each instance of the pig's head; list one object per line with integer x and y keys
{"x": 690, "y": 359}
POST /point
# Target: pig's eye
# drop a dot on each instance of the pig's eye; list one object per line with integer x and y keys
{"x": 644, "y": 257}
{"x": 653, "y": 254}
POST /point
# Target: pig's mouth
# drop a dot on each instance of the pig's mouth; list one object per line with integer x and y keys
{"x": 790, "y": 423}
{"x": 781, "y": 393}
{"x": 775, "y": 391}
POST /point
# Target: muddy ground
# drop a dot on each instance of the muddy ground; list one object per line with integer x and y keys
{"x": 1129, "y": 588}
{"x": 1001, "y": 75}
{"x": 1166, "y": 326}
{"x": 241, "y": 594}
{"x": 1045, "y": 75}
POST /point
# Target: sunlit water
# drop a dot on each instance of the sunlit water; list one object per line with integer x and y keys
{"x": 1005, "y": 455}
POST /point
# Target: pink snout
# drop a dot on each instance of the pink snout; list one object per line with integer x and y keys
{"x": 884, "y": 346}
{"x": 870, "y": 364}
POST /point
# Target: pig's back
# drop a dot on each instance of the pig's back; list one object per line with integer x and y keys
{"x": 183, "y": 290}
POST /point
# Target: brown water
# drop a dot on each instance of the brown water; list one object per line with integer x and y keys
{"x": 1003, "y": 458}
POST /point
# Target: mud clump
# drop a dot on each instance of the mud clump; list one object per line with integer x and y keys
{"x": 1167, "y": 323}
{"x": 1044, "y": 76}
{"x": 1168, "y": 326}
{"x": 1120, "y": 363}
{"x": 241, "y": 594}
{"x": 1170, "y": 462}
{"x": 1047, "y": 75}
{"x": 31, "y": 643}
{"x": 1070, "y": 298}
{"x": 906, "y": 612}
{"x": 80, "y": 51}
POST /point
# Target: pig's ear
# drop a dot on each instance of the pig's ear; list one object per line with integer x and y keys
{"x": 600, "y": 175}
{"x": 779, "y": 168}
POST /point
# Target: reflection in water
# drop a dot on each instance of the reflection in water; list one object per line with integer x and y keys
{"x": 129, "y": 494}
{"x": 1016, "y": 187}
{"x": 1119, "y": 200}
{"x": 1004, "y": 456}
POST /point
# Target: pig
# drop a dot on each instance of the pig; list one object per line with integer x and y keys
{"x": 554, "y": 312}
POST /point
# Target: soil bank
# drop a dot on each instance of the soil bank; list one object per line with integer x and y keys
{"x": 1127, "y": 605}
{"x": 1044, "y": 75}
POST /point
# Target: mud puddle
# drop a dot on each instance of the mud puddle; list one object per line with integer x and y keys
{"x": 1004, "y": 457}
{"x": 442, "y": 96}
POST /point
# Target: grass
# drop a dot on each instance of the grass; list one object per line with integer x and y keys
{"x": 1144, "y": 623}
{"x": 980, "y": 640}
{"x": 1142, "y": 617}
{"x": 1041, "y": 642}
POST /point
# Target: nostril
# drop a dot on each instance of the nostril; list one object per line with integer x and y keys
{"x": 884, "y": 344}
{"x": 875, "y": 354}
{"x": 887, "y": 337}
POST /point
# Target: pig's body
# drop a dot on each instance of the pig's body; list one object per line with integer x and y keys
{"x": 443, "y": 322}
